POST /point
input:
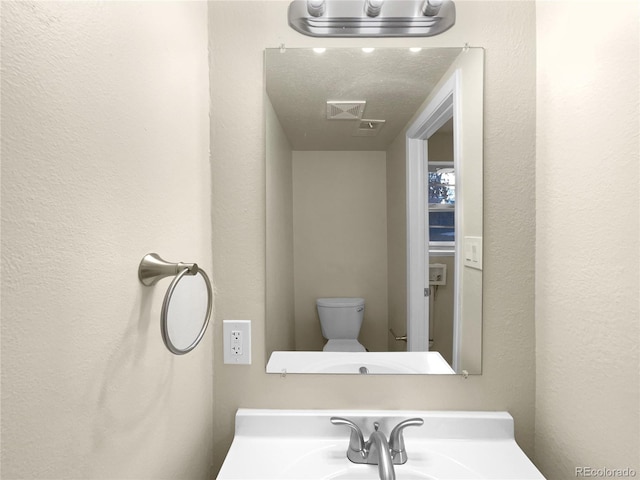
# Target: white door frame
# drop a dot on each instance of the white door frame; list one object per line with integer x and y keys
{"x": 444, "y": 105}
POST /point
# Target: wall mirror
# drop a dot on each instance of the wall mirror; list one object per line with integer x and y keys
{"x": 374, "y": 210}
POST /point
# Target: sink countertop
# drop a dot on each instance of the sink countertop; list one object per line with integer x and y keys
{"x": 303, "y": 444}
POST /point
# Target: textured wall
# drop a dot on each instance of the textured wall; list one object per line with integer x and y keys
{"x": 587, "y": 258}
{"x": 397, "y": 239}
{"x": 442, "y": 308}
{"x": 279, "y": 235}
{"x": 440, "y": 147}
{"x": 340, "y": 240}
{"x": 104, "y": 158}
{"x": 507, "y": 31}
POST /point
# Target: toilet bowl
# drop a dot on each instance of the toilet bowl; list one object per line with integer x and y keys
{"x": 340, "y": 322}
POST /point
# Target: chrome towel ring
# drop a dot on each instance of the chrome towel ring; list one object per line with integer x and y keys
{"x": 183, "y": 322}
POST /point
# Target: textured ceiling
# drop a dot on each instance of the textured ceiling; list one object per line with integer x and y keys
{"x": 393, "y": 81}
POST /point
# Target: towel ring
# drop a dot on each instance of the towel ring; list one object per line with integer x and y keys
{"x": 153, "y": 268}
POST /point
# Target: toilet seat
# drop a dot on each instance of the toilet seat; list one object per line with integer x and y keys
{"x": 344, "y": 345}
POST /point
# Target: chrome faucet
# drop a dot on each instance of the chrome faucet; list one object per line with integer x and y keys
{"x": 355, "y": 452}
{"x": 396, "y": 440}
{"x": 377, "y": 451}
{"x": 381, "y": 455}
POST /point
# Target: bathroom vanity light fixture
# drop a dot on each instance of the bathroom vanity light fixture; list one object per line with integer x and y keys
{"x": 371, "y": 18}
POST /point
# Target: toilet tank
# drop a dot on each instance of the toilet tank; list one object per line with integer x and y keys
{"x": 340, "y": 318}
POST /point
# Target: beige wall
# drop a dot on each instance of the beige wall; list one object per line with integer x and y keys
{"x": 105, "y": 139}
{"x": 471, "y": 200}
{"x": 440, "y": 147}
{"x": 397, "y": 240}
{"x": 340, "y": 240}
{"x": 279, "y": 236}
{"x": 442, "y": 320}
{"x": 587, "y": 323}
{"x": 507, "y": 31}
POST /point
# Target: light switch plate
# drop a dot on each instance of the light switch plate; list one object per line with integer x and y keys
{"x": 473, "y": 252}
{"x": 237, "y": 341}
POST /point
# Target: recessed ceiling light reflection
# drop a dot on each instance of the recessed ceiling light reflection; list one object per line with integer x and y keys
{"x": 415, "y": 49}
{"x": 319, "y": 50}
{"x": 368, "y": 49}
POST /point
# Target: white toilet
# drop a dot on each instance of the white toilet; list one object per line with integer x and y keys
{"x": 340, "y": 321}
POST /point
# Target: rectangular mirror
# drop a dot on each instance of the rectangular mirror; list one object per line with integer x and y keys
{"x": 374, "y": 210}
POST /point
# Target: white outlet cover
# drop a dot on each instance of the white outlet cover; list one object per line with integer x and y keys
{"x": 243, "y": 326}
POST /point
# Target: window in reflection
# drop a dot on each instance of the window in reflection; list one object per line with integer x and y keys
{"x": 441, "y": 203}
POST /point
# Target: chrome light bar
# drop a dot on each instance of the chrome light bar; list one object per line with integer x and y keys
{"x": 371, "y": 18}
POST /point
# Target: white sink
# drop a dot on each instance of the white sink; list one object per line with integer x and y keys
{"x": 304, "y": 445}
{"x": 376, "y": 363}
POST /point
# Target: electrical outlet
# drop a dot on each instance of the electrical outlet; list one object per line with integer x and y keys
{"x": 437, "y": 274}
{"x": 237, "y": 341}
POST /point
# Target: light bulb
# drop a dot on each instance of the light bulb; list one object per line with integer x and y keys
{"x": 372, "y": 7}
{"x": 315, "y": 7}
{"x": 430, "y": 8}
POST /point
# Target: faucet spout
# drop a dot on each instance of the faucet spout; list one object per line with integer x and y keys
{"x": 378, "y": 452}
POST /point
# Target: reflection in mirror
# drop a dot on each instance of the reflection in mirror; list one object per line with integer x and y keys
{"x": 441, "y": 213}
{"x": 374, "y": 196}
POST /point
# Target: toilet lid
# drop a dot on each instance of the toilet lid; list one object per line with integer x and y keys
{"x": 339, "y": 345}
{"x": 340, "y": 302}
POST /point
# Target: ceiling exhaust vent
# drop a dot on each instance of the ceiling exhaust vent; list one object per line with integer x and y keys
{"x": 368, "y": 128}
{"x": 345, "y": 110}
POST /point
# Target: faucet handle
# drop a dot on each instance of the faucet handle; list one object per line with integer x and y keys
{"x": 396, "y": 439}
{"x": 356, "y": 441}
